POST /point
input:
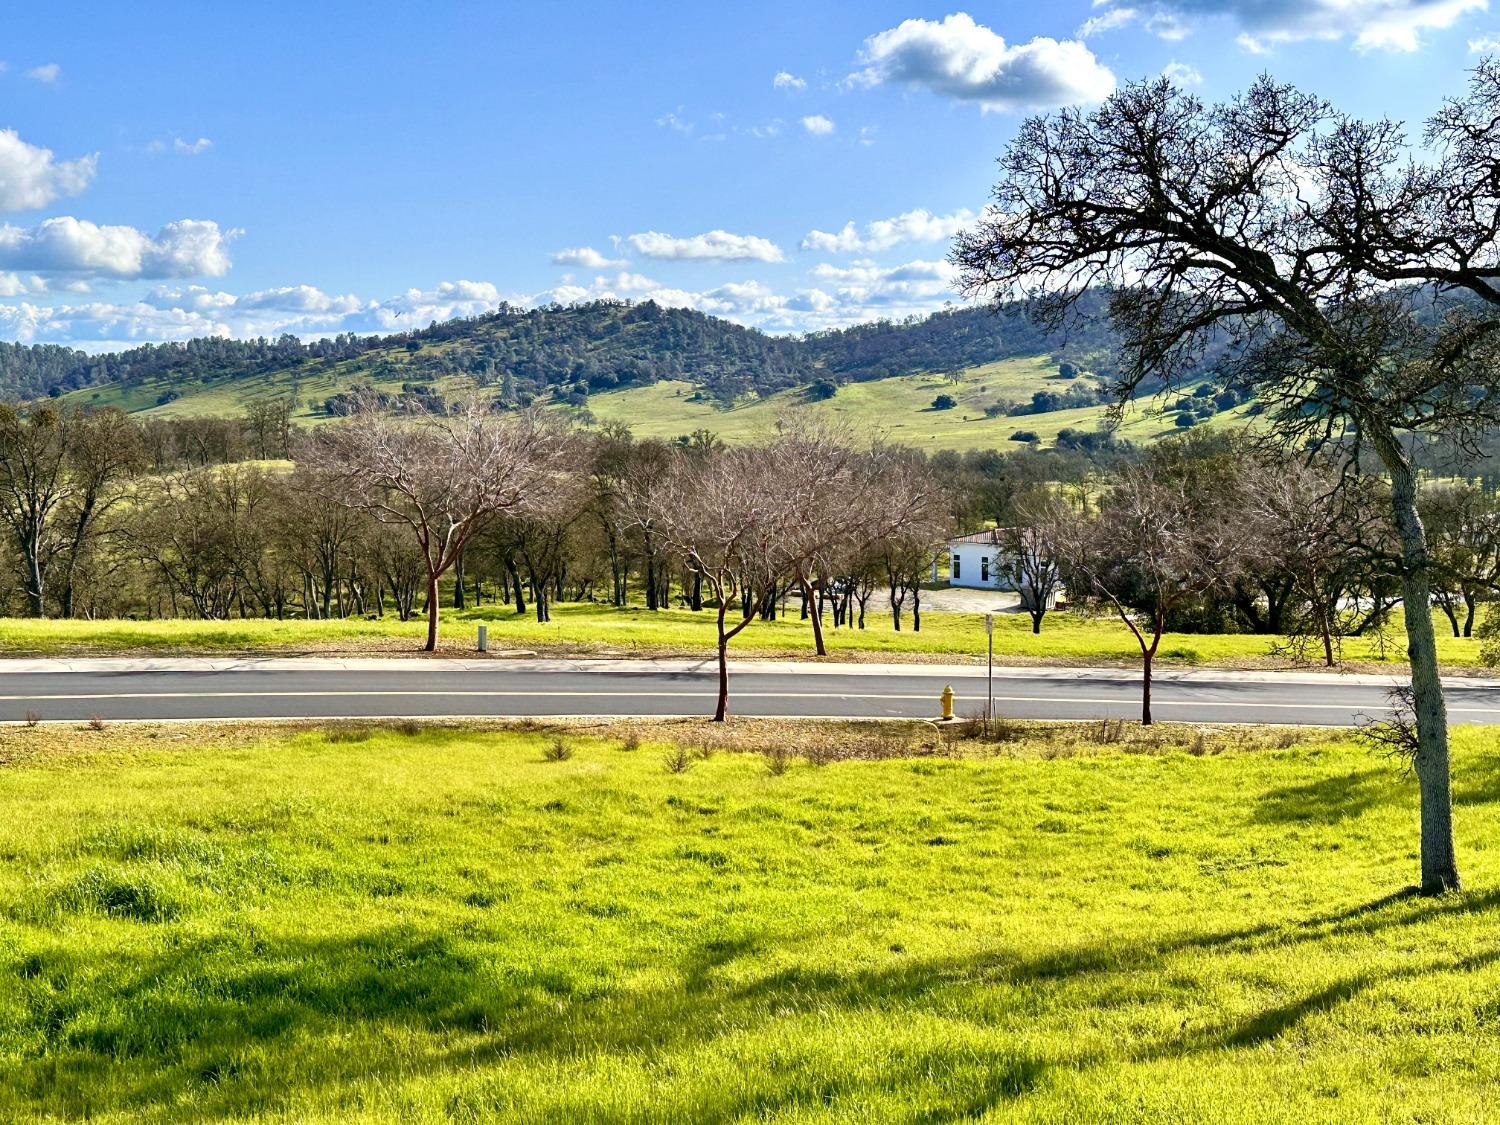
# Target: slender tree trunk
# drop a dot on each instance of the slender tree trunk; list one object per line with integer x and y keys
{"x": 1439, "y": 862}
{"x": 722, "y": 710}
{"x": 1469, "y": 601}
{"x": 432, "y": 612}
{"x": 812, "y": 599}
{"x": 34, "y": 603}
{"x": 460, "y": 592}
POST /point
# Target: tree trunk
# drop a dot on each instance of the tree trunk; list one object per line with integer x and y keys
{"x": 1146, "y": 689}
{"x": 432, "y": 612}
{"x": 1469, "y": 601}
{"x": 1439, "y": 862}
{"x": 459, "y": 592}
{"x": 722, "y": 710}
{"x": 1036, "y": 621}
{"x": 812, "y": 602}
{"x": 34, "y": 603}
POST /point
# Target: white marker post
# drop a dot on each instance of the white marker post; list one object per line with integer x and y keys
{"x": 989, "y": 632}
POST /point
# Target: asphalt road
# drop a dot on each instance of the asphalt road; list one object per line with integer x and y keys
{"x": 319, "y": 688}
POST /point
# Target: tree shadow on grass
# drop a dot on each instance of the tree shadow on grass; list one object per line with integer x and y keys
{"x": 227, "y": 1019}
{"x": 1329, "y": 800}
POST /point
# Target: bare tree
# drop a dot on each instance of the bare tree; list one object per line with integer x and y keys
{"x": 1154, "y": 547}
{"x": 724, "y": 513}
{"x": 1325, "y": 252}
{"x": 1031, "y": 553}
{"x": 440, "y": 476}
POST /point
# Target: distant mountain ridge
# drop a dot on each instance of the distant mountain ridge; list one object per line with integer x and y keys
{"x": 570, "y": 352}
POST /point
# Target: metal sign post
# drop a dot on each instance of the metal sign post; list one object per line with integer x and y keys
{"x": 989, "y": 632}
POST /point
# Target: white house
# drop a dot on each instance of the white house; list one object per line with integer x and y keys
{"x": 981, "y": 562}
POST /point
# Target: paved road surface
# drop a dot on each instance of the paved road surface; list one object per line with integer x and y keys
{"x": 124, "y": 689}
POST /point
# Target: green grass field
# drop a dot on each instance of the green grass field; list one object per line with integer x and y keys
{"x": 446, "y": 926}
{"x": 584, "y": 628}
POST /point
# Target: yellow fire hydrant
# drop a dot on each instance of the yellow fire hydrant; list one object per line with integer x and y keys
{"x": 948, "y": 703}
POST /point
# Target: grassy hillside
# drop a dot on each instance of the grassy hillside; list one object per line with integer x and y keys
{"x": 900, "y": 408}
{"x": 419, "y": 925}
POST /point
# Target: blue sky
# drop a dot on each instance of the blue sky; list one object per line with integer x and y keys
{"x": 169, "y": 170}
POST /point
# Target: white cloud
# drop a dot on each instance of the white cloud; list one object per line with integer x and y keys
{"x": 714, "y": 245}
{"x": 1484, "y": 45}
{"x": 1182, "y": 74}
{"x": 911, "y": 226}
{"x": 48, "y": 72}
{"x": 841, "y": 295}
{"x": 675, "y": 121}
{"x": 585, "y": 257}
{"x": 785, "y": 80}
{"x": 964, "y": 60}
{"x": 186, "y": 248}
{"x": 1395, "y": 25}
{"x": 192, "y": 148}
{"x": 31, "y": 177}
{"x": 769, "y": 129}
{"x": 1109, "y": 21}
{"x": 818, "y": 125}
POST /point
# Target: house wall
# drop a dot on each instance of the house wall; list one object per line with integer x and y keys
{"x": 967, "y": 566}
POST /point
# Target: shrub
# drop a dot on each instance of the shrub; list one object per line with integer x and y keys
{"x": 944, "y": 402}
{"x": 557, "y": 749}
{"x": 1025, "y": 435}
{"x": 778, "y": 760}
{"x": 677, "y": 760}
{"x": 1185, "y": 421}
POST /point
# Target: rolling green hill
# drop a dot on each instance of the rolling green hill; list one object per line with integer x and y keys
{"x": 665, "y": 372}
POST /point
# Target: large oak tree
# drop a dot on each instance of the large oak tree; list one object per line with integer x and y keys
{"x": 1319, "y": 261}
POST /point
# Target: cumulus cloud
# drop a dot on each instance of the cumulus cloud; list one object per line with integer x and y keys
{"x": 1395, "y": 25}
{"x": 964, "y": 60}
{"x": 584, "y": 257}
{"x": 818, "y": 125}
{"x": 1484, "y": 45}
{"x": 186, "y": 248}
{"x": 1182, "y": 74}
{"x": 714, "y": 245}
{"x": 1108, "y": 21}
{"x": 48, "y": 73}
{"x": 182, "y": 312}
{"x": 31, "y": 176}
{"x": 882, "y": 234}
{"x": 785, "y": 80}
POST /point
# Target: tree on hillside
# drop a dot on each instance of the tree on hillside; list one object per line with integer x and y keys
{"x": 1321, "y": 246}
{"x": 441, "y": 476}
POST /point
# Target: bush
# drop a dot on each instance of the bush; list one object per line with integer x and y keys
{"x": 1025, "y": 435}
{"x": 944, "y": 402}
{"x": 557, "y": 749}
{"x": 1185, "y": 421}
{"x": 822, "y": 389}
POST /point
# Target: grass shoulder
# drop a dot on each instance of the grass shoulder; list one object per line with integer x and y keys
{"x": 381, "y": 923}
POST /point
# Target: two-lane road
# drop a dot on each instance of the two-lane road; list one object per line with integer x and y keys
{"x": 135, "y": 689}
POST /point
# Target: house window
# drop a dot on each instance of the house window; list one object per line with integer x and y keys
{"x": 984, "y": 569}
{"x": 957, "y": 570}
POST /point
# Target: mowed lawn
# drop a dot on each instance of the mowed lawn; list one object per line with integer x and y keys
{"x": 447, "y": 925}
{"x": 586, "y": 628}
